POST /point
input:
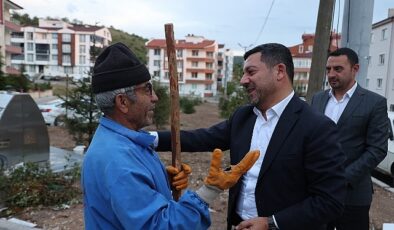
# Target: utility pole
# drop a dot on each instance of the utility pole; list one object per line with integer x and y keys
{"x": 245, "y": 47}
{"x": 320, "y": 48}
{"x": 356, "y": 32}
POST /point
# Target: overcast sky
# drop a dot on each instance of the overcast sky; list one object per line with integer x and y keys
{"x": 235, "y": 23}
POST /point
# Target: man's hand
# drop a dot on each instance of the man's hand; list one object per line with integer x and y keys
{"x": 179, "y": 179}
{"x": 226, "y": 179}
{"x": 258, "y": 223}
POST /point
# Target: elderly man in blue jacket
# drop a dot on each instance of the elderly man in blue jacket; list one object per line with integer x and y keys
{"x": 125, "y": 184}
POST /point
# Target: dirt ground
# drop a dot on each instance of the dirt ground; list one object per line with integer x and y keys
{"x": 382, "y": 210}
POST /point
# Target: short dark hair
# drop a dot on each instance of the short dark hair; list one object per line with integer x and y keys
{"x": 273, "y": 54}
{"x": 349, "y": 53}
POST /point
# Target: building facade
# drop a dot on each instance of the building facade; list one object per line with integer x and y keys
{"x": 302, "y": 58}
{"x": 57, "y": 49}
{"x": 380, "y": 77}
{"x": 8, "y": 26}
{"x": 201, "y": 65}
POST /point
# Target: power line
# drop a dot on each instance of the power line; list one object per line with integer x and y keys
{"x": 265, "y": 22}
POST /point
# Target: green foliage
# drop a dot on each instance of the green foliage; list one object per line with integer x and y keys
{"x": 134, "y": 42}
{"x": 83, "y": 113}
{"x": 15, "y": 82}
{"x": 33, "y": 184}
{"x": 187, "y": 104}
{"x": 236, "y": 95}
{"x": 2, "y": 75}
{"x": 42, "y": 86}
{"x": 162, "y": 109}
{"x": 25, "y": 20}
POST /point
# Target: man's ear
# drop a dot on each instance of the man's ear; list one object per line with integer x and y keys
{"x": 280, "y": 71}
{"x": 121, "y": 103}
{"x": 356, "y": 67}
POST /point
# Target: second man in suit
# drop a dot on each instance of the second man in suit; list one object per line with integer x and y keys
{"x": 298, "y": 181}
{"x": 361, "y": 117}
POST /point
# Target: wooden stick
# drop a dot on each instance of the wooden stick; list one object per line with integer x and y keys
{"x": 174, "y": 93}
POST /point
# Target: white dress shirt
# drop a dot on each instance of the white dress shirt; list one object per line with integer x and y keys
{"x": 262, "y": 132}
{"x": 335, "y": 108}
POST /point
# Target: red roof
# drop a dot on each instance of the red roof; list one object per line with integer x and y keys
{"x": 161, "y": 43}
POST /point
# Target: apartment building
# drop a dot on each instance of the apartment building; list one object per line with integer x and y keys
{"x": 202, "y": 65}
{"x": 8, "y": 26}
{"x": 380, "y": 76}
{"x": 57, "y": 49}
{"x": 302, "y": 58}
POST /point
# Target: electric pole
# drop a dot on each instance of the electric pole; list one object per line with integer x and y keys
{"x": 356, "y": 32}
{"x": 320, "y": 48}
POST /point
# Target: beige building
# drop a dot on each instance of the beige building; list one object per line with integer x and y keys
{"x": 57, "y": 49}
{"x": 7, "y": 26}
{"x": 201, "y": 65}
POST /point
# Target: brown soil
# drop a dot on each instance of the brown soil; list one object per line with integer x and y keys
{"x": 382, "y": 209}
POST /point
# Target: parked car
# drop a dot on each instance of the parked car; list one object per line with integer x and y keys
{"x": 53, "y": 112}
{"x": 387, "y": 165}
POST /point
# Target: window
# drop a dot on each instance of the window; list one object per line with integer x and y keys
{"x": 369, "y": 60}
{"x": 381, "y": 59}
{"x": 179, "y": 53}
{"x": 209, "y": 54}
{"x": 66, "y": 48}
{"x": 54, "y": 46}
{"x": 156, "y": 52}
{"x": 372, "y": 37}
{"x": 54, "y": 36}
{"x": 194, "y": 86}
{"x": 367, "y": 83}
{"x": 166, "y": 76}
{"x": 384, "y": 34}
{"x": 68, "y": 70}
{"x": 82, "y": 49}
{"x": 30, "y": 46}
{"x": 67, "y": 59}
{"x": 156, "y": 73}
{"x": 54, "y": 57}
{"x": 66, "y": 38}
{"x": 29, "y": 35}
{"x": 310, "y": 48}
{"x": 194, "y": 75}
{"x": 156, "y": 63}
{"x": 379, "y": 83}
{"x": 300, "y": 49}
{"x": 82, "y": 38}
{"x": 31, "y": 68}
{"x": 82, "y": 59}
{"x": 208, "y": 87}
{"x": 30, "y": 57}
{"x": 208, "y": 76}
{"x": 179, "y": 64}
{"x": 194, "y": 52}
{"x": 194, "y": 64}
{"x": 209, "y": 65}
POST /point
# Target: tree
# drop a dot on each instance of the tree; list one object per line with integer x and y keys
{"x": 82, "y": 112}
{"x": 2, "y": 75}
{"x": 162, "y": 109}
{"x": 236, "y": 95}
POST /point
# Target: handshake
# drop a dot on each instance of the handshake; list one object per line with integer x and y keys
{"x": 217, "y": 179}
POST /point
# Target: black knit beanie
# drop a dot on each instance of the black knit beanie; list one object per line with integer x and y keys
{"x": 117, "y": 67}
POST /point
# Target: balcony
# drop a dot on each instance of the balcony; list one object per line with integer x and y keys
{"x": 11, "y": 70}
{"x": 12, "y": 26}
{"x": 13, "y": 49}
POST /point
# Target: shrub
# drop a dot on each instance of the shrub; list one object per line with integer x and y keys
{"x": 33, "y": 184}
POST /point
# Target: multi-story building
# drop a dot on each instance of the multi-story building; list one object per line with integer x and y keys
{"x": 302, "y": 58}
{"x": 380, "y": 77}
{"x": 57, "y": 49}
{"x": 201, "y": 65}
{"x": 7, "y": 26}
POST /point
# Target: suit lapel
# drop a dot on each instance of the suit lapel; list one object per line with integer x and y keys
{"x": 284, "y": 126}
{"x": 353, "y": 103}
{"x": 323, "y": 102}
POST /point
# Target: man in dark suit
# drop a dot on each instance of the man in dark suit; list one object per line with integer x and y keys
{"x": 298, "y": 181}
{"x": 361, "y": 117}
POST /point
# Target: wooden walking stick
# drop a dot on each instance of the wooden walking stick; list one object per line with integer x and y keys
{"x": 174, "y": 93}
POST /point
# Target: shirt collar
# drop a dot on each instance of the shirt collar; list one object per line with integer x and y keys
{"x": 277, "y": 109}
{"x": 140, "y": 137}
{"x": 349, "y": 93}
